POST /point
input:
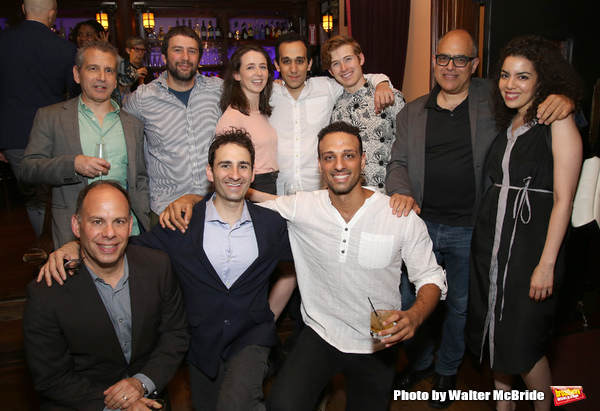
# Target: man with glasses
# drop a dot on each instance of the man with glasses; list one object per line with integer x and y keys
{"x": 437, "y": 170}
{"x": 131, "y": 70}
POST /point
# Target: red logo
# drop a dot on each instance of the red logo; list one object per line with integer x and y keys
{"x": 567, "y": 394}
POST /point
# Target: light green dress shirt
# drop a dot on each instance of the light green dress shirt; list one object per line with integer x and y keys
{"x": 111, "y": 133}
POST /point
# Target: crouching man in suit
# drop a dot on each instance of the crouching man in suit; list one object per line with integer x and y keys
{"x": 117, "y": 330}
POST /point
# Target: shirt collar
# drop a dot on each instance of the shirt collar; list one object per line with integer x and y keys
{"x": 432, "y": 99}
{"x": 122, "y": 280}
{"x": 213, "y": 215}
{"x": 85, "y": 109}
{"x": 162, "y": 80}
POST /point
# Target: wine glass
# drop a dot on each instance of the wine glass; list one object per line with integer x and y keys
{"x": 101, "y": 152}
{"x": 291, "y": 187}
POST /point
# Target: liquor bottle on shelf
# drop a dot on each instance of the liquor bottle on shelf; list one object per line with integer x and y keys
{"x": 189, "y": 23}
{"x": 230, "y": 33}
{"x": 250, "y": 31}
{"x": 277, "y": 30}
{"x": 218, "y": 32}
{"x": 272, "y": 30}
{"x": 262, "y": 31}
{"x": 267, "y": 30}
{"x": 197, "y": 29}
{"x": 161, "y": 34}
{"x": 203, "y": 31}
{"x": 210, "y": 31}
{"x": 61, "y": 31}
{"x": 177, "y": 22}
{"x": 244, "y": 31}
{"x": 238, "y": 35}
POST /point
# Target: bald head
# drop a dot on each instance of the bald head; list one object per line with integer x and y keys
{"x": 43, "y": 11}
{"x": 460, "y": 38}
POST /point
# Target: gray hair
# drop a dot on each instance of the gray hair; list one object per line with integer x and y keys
{"x": 102, "y": 46}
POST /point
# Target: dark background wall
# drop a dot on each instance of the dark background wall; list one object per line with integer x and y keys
{"x": 555, "y": 19}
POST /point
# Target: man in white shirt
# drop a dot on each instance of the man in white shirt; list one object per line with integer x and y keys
{"x": 302, "y": 107}
{"x": 348, "y": 246}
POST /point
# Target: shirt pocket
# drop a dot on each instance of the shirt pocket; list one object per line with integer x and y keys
{"x": 318, "y": 111}
{"x": 375, "y": 250}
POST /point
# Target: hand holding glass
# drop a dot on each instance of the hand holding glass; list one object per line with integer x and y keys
{"x": 291, "y": 187}
{"x": 381, "y": 313}
{"x": 101, "y": 152}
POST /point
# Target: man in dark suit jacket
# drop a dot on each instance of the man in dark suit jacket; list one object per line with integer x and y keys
{"x": 61, "y": 148}
{"x": 224, "y": 261}
{"x": 117, "y": 330}
{"x": 39, "y": 74}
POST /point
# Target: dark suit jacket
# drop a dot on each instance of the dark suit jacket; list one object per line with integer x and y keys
{"x": 50, "y": 159}
{"x": 37, "y": 71}
{"x": 71, "y": 345}
{"x": 224, "y": 321}
{"x": 406, "y": 169}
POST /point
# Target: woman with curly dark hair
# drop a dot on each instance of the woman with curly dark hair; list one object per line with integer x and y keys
{"x": 517, "y": 247}
{"x": 245, "y": 104}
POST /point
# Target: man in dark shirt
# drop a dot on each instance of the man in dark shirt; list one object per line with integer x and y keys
{"x": 437, "y": 169}
{"x": 38, "y": 77}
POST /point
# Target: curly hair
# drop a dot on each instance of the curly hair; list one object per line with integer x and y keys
{"x": 555, "y": 76}
{"x": 233, "y": 95}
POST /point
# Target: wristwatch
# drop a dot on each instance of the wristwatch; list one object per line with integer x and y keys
{"x": 145, "y": 389}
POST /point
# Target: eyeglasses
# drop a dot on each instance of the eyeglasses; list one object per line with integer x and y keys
{"x": 139, "y": 49}
{"x": 459, "y": 61}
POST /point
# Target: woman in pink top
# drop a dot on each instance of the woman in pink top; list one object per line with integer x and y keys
{"x": 245, "y": 104}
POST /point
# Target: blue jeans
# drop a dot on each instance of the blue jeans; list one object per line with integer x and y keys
{"x": 452, "y": 246}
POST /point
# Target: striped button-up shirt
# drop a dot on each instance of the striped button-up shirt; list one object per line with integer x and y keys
{"x": 177, "y": 137}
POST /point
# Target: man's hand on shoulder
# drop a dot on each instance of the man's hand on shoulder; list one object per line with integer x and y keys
{"x": 555, "y": 107}
{"x": 171, "y": 217}
{"x": 401, "y": 205}
{"x": 54, "y": 267}
{"x": 123, "y": 394}
{"x": 384, "y": 96}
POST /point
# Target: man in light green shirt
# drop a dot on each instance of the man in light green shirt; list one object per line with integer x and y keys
{"x": 62, "y": 149}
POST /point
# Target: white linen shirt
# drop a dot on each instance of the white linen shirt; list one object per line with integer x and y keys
{"x": 339, "y": 264}
{"x": 298, "y": 123}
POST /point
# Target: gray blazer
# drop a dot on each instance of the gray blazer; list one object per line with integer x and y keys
{"x": 50, "y": 159}
{"x": 406, "y": 169}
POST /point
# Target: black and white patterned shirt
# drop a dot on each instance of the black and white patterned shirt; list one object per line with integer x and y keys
{"x": 378, "y": 131}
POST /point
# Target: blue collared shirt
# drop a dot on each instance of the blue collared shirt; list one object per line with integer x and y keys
{"x": 117, "y": 302}
{"x": 230, "y": 250}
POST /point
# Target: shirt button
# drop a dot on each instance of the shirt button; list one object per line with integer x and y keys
{"x": 355, "y": 105}
{"x": 346, "y": 229}
{"x": 383, "y": 115}
{"x": 343, "y": 241}
{"x": 380, "y": 185}
{"x": 343, "y": 251}
{"x": 120, "y": 320}
{"x": 382, "y": 139}
{"x": 381, "y": 162}
{"x": 227, "y": 322}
